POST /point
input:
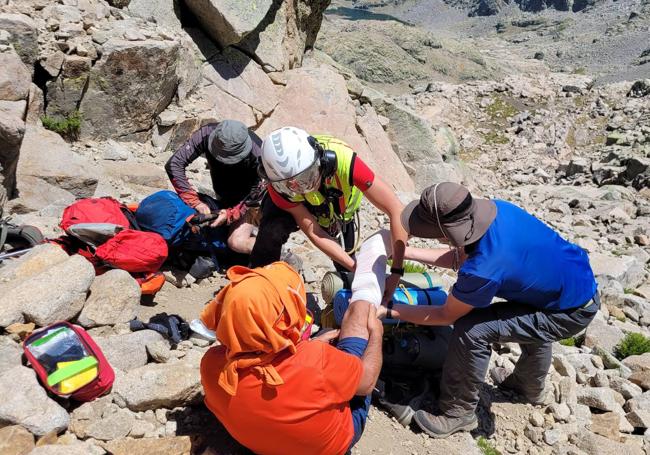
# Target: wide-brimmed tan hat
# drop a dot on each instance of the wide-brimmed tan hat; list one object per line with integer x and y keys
{"x": 448, "y": 210}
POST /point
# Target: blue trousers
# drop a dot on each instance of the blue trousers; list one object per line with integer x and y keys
{"x": 359, "y": 405}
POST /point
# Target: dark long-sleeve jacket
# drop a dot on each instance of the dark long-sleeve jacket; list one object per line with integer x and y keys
{"x": 231, "y": 182}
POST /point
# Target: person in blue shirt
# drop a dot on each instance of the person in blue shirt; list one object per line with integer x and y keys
{"x": 499, "y": 250}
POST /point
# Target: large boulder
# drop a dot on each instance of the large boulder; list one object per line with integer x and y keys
{"x": 602, "y": 398}
{"x": 627, "y": 270}
{"x": 74, "y": 448}
{"x": 163, "y": 12}
{"x": 282, "y": 38}
{"x": 316, "y": 99}
{"x": 128, "y": 352}
{"x": 237, "y": 75}
{"x": 229, "y": 22}
{"x": 35, "y": 261}
{"x": 132, "y": 83}
{"x": 137, "y": 173}
{"x": 382, "y": 156}
{"x": 65, "y": 92}
{"x": 639, "y": 403}
{"x": 429, "y": 154}
{"x": 23, "y": 34}
{"x": 593, "y": 443}
{"x": 638, "y": 362}
{"x": 60, "y": 166}
{"x": 15, "y": 81}
{"x": 101, "y": 419}
{"x": 156, "y": 386}
{"x": 176, "y": 445}
{"x": 602, "y": 335}
{"x": 15, "y": 440}
{"x": 26, "y": 403}
{"x": 114, "y": 298}
{"x": 56, "y": 294}
{"x": 15, "y": 78}
{"x": 10, "y": 354}
{"x": 35, "y": 194}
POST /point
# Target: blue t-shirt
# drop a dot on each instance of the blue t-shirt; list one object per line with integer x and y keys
{"x": 521, "y": 259}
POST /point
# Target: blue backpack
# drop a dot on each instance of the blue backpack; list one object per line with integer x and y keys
{"x": 165, "y": 213}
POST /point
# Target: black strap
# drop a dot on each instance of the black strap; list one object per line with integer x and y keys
{"x": 131, "y": 217}
{"x": 459, "y": 211}
{"x": 351, "y": 176}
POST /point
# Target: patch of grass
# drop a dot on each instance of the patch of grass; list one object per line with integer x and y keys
{"x": 575, "y": 341}
{"x": 495, "y": 138}
{"x": 628, "y": 291}
{"x": 68, "y": 127}
{"x": 486, "y": 447}
{"x": 563, "y": 25}
{"x": 581, "y": 71}
{"x": 500, "y": 109}
{"x": 632, "y": 344}
{"x": 568, "y": 342}
{"x": 411, "y": 267}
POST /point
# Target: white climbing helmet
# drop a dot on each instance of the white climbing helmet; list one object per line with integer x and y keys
{"x": 290, "y": 162}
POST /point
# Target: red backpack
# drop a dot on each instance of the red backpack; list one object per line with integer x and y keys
{"x": 95, "y": 210}
{"x": 134, "y": 251}
{"x": 68, "y": 362}
{"x": 105, "y": 232}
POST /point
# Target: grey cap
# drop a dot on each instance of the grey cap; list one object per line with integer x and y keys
{"x": 230, "y": 142}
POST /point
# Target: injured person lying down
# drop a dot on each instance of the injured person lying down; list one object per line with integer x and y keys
{"x": 275, "y": 390}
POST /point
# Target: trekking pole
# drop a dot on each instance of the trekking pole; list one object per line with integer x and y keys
{"x": 198, "y": 220}
{"x": 14, "y": 254}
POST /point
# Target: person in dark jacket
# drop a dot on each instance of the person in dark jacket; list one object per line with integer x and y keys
{"x": 232, "y": 152}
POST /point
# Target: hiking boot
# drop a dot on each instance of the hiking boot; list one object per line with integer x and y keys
{"x": 404, "y": 410}
{"x": 442, "y": 426}
{"x": 506, "y": 380}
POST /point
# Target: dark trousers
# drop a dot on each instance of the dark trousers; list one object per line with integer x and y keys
{"x": 275, "y": 228}
{"x": 469, "y": 351}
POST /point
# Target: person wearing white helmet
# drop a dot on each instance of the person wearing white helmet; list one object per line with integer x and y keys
{"x": 321, "y": 182}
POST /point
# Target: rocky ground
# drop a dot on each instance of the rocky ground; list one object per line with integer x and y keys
{"x": 456, "y": 98}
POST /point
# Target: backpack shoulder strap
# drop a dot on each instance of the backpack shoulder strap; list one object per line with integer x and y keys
{"x": 131, "y": 217}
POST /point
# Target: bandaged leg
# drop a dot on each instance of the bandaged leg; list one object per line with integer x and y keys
{"x": 370, "y": 274}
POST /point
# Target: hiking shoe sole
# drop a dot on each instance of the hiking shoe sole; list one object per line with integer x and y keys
{"x": 473, "y": 425}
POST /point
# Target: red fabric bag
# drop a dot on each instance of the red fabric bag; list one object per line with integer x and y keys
{"x": 100, "y": 385}
{"x": 134, "y": 251}
{"x": 95, "y": 210}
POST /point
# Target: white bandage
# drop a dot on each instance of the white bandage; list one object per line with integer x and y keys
{"x": 370, "y": 274}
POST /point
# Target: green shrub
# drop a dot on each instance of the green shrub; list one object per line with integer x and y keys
{"x": 486, "y": 447}
{"x": 632, "y": 344}
{"x": 411, "y": 267}
{"x": 68, "y": 127}
{"x": 568, "y": 341}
